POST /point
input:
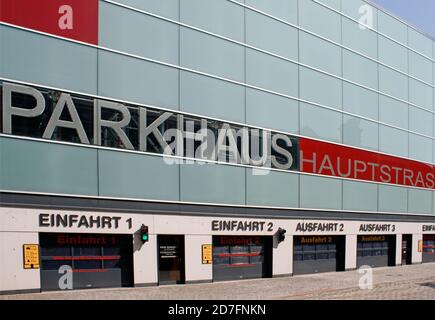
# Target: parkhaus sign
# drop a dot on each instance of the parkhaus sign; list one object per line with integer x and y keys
{"x": 69, "y": 117}
{"x": 54, "y": 115}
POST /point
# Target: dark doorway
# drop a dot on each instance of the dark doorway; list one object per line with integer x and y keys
{"x": 407, "y": 249}
{"x": 171, "y": 259}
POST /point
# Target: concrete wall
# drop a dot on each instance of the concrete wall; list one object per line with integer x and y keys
{"x": 351, "y": 252}
{"x": 13, "y": 276}
{"x": 282, "y": 261}
{"x": 195, "y": 270}
{"x": 21, "y": 226}
{"x": 417, "y": 257}
{"x": 145, "y": 261}
{"x": 398, "y": 250}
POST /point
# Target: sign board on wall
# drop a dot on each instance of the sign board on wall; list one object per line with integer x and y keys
{"x": 31, "y": 256}
{"x": 168, "y": 252}
{"x": 206, "y": 254}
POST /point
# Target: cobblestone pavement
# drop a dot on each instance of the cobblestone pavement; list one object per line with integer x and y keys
{"x": 401, "y": 283}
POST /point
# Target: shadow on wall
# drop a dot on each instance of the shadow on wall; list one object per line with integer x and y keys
{"x": 137, "y": 242}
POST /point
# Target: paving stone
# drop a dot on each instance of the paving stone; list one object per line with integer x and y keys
{"x": 395, "y": 283}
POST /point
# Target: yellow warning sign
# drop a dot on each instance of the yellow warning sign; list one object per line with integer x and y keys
{"x": 31, "y": 256}
{"x": 206, "y": 254}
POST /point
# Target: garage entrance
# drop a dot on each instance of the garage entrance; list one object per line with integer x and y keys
{"x": 81, "y": 261}
{"x": 376, "y": 251}
{"x": 239, "y": 257}
{"x": 313, "y": 254}
{"x": 429, "y": 248}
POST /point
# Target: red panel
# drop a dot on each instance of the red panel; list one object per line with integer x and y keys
{"x": 341, "y": 161}
{"x": 74, "y": 19}
{"x": 86, "y": 258}
{"x": 254, "y": 254}
{"x": 90, "y": 270}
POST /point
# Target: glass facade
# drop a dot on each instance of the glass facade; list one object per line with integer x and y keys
{"x": 304, "y": 67}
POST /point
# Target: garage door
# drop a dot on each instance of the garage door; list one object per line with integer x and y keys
{"x": 241, "y": 257}
{"x": 376, "y": 251}
{"x": 428, "y": 248}
{"x": 313, "y": 254}
{"x": 80, "y": 261}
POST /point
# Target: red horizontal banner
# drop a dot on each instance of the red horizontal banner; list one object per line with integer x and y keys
{"x": 254, "y": 254}
{"x": 87, "y": 258}
{"x": 74, "y": 19}
{"x": 90, "y": 270}
{"x": 346, "y": 162}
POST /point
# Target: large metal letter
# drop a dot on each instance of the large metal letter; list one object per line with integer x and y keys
{"x": 65, "y": 99}
{"x": 145, "y": 131}
{"x": 9, "y": 110}
{"x": 253, "y": 157}
{"x": 206, "y": 150}
{"x": 226, "y": 132}
{"x": 282, "y": 151}
{"x": 116, "y": 126}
